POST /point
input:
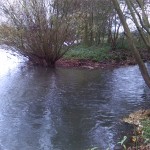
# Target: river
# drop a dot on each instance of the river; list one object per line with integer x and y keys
{"x": 66, "y": 109}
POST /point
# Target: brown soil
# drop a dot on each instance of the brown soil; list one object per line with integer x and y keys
{"x": 121, "y": 58}
{"x": 69, "y": 63}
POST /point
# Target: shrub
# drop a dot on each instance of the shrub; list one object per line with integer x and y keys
{"x": 37, "y": 30}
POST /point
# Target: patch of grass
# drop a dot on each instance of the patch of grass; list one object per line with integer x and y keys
{"x": 88, "y": 53}
{"x": 146, "y": 129}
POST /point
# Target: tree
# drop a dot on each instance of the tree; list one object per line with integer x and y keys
{"x": 140, "y": 19}
{"x": 137, "y": 56}
{"x": 91, "y": 20}
{"x": 38, "y": 29}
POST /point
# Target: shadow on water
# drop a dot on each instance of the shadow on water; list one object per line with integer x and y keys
{"x": 67, "y": 109}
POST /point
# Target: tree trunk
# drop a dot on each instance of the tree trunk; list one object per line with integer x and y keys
{"x": 39, "y": 61}
{"x": 137, "y": 56}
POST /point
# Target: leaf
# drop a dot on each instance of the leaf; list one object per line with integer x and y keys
{"x": 94, "y": 148}
{"x": 123, "y": 140}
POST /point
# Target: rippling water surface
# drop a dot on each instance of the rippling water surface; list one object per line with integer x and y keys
{"x": 66, "y": 109}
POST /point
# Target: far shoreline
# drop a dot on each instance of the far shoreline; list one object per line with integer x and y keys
{"x": 89, "y": 64}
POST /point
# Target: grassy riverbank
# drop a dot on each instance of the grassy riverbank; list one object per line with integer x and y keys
{"x": 99, "y": 57}
{"x": 92, "y": 53}
{"x": 103, "y": 53}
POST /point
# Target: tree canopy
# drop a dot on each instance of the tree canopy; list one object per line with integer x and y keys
{"x": 44, "y": 30}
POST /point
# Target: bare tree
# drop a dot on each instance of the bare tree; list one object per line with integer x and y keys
{"x": 91, "y": 20}
{"x": 114, "y": 29}
{"x": 37, "y": 29}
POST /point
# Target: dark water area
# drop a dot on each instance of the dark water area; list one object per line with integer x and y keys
{"x": 66, "y": 109}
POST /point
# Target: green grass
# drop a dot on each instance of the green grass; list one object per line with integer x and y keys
{"x": 146, "y": 129}
{"x": 88, "y": 53}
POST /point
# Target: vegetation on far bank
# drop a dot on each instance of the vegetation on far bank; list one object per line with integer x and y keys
{"x": 45, "y": 30}
{"x": 104, "y": 53}
{"x": 93, "y": 53}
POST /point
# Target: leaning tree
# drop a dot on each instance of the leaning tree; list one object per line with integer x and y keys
{"x": 143, "y": 27}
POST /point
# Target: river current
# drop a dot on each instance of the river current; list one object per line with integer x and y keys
{"x": 66, "y": 109}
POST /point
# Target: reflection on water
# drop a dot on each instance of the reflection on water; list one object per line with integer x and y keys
{"x": 4, "y": 62}
{"x": 67, "y": 109}
{"x": 8, "y": 61}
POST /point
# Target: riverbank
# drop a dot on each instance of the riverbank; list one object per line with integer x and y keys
{"x": 96, "y": 57}
{"x": 116, "y": 60}
{"x": 141, "y": 134}
{"x": 89, "y": 64}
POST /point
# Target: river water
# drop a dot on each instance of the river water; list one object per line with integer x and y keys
{"x": 66, "y": 109}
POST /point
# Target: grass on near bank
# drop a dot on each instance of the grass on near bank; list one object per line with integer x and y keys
{"x": 89, "y": 53}
{"x": 146, "y": 129}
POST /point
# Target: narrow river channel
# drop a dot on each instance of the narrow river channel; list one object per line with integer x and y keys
{"x": 66, "y": 109}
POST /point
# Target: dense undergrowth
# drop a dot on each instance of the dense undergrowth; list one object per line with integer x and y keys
{"x": 99, "y": 53}
{"x": 93, "y": 53}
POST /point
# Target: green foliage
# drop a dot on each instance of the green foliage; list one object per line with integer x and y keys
{"x": 88, "y": 53}
{"x": 94, "y": 148}
{"x": 122, "y": 142}
{"x": 122, "y": 44}
{"x": 146, "y": 129}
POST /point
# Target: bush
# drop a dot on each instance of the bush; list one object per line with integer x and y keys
{"x": 37, "y": 30}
